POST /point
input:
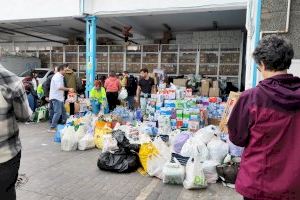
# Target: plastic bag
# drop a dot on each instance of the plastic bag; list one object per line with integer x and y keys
{"x": 217, "y": 149}
{"x": 195, "y": 148}
{"x": 164, "y": 124}
{"x": 210, "y": 171}
{"x": 195, "y": 178}
{"x": 109, "y": 143}
{"x": 146, "y": 151}
{"x": 123, "y": 94}
{"x": 228, "y": 172}
{"x": 81, "y": 132}
{"x": 98, "y": 137}
{"x": 156, "y": 162}
{"x": 207, "y": 133}
{"x": 179, "y": 141}
{"x": 69, "y": 140}
{"x": 173, "y": 173}
{"x": 235, "y": 150}
{"x": 119, "y": 161}
{"x": 87, "y": 142}
{"x": 58, "y": 133}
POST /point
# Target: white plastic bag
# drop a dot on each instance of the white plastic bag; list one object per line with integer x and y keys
{"x": 217, "y": 149}
{"x": 81, "y": 132}
{"x": 69, "y": 139}
{"x": 195, "y": 178}
{"x": 123, "y": 94}
{"x": 195, "y": 148}
{"x": 207, "y": 133}
{"x": 173, "y": 173}
{"x": 210, "y": 170}
{"x": 164, "y": 124}
{"x": 87, "y": 142}
{"x": 162, "y": 147}
{"x": 109, "y": 143}
{"x": 156, "y": 163}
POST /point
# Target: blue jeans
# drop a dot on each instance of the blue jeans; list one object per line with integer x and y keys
{"x": 32, "y": 102}
{"x": 59, "y": 111}
{"x": 130, "y": 100}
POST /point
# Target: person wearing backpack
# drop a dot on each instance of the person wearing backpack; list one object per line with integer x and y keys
{"x": 131, "y": 87}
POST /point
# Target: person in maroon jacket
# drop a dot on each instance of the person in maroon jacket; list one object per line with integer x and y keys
{"x": 266, "y": 121}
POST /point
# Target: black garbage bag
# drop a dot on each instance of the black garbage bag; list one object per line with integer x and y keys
{"x": 228, "y": 172}
{"x": 123, "y": 142}
{"x": 120, "y": 161}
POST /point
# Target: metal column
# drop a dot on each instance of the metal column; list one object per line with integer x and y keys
{"x": 91, "y": 22}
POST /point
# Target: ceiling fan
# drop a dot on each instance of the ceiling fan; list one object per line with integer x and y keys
{"x": 125, "y": 31}
{"x": 167, "y": 34}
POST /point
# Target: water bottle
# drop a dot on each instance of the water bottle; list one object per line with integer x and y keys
{"x": 139, "y": 115}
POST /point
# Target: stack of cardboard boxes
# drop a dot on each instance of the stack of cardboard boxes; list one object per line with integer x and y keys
{"x": 207, "y": 90}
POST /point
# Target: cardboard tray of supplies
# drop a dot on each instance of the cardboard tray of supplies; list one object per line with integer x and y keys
{"x": 232, "y": 99}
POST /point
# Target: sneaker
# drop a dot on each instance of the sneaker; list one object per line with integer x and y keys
{"x": 52, "y": 130}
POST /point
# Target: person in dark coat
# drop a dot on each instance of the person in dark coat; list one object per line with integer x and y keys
{"x": 46, "y": 88}
{"x": 266, "y": 121}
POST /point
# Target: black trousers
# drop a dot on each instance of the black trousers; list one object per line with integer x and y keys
{"x": 112, "y": 99}
{"x": 72, "y": 108}
{"x": 8, "y": 177}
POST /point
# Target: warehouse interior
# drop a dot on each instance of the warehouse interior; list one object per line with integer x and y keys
{"x": 210, "y": 44}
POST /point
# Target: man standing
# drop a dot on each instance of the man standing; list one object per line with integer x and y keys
{"x": 145, "y": 87}
{"x": 112, "y": 86}
{"x": 57, "y": 97}
{"x": 46, "y": 88}
{"x": 131, "y": 87}
{"x": 13, "y": 106}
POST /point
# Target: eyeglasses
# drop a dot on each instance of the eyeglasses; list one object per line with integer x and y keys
{"x": 258, "y": 68}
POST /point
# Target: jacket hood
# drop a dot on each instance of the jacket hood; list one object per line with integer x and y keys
{"x": 284, "y": 90}
{"x": 69, "y": 71}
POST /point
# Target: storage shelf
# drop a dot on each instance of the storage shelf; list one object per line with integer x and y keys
{"x": 179, "y": 59}
{"x": 191, "y": 63}
{"x": 229, "y": 51}
{"x": 188, "y": 52}
{"x": 164, "y": 52}
{"x": 133, "y": 53}
{"x": 229, "y": 64}
{"x": 149, "y": 52}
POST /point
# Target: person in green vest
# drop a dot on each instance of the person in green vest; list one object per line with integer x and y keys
{"x": 97, "y": 96}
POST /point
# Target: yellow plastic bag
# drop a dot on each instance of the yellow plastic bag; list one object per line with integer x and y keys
{"x": 146, "y": 151}
{"x": 98, "y": 136}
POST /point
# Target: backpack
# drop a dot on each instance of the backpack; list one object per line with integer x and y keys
{"x": 131, "y": 85}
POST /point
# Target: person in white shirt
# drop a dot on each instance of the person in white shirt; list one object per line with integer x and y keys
{"x": 57, "y": 97}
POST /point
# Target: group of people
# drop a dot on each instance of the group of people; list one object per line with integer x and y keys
{"x": 265, "y": 120}
{"x": 137, "y": 91}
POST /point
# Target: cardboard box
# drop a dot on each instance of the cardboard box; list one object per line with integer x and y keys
{"x": 215, "y": 84}
{"x": 214, "y": 92}
{"x": 205, "y": 87}
{"x": 180, "y": 82}
{"x": 213, "y": 121}
{"x": 232, "y": 99}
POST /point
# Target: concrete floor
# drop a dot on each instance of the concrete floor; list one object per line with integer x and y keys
{"x": 57, "y": 175}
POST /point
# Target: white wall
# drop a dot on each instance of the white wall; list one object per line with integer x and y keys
{"x": 38, "y": 9}
{"x": 141, "y": 7}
